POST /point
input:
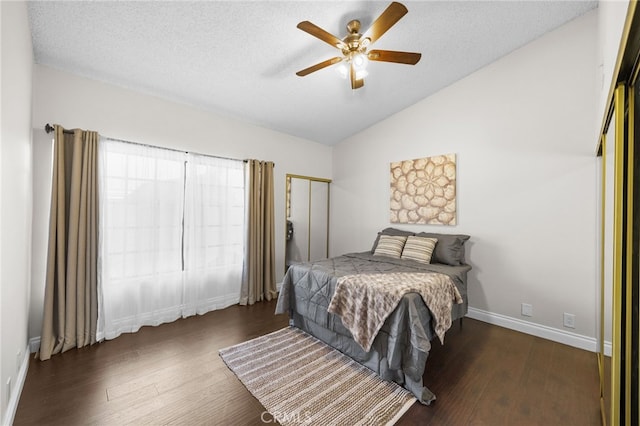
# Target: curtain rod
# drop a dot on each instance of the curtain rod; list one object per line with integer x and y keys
{"x": 49, "y": 128}
{"x": 175, "y": 150}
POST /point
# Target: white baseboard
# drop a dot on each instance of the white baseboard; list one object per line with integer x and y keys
{"x": 12, "y": 405}
{"x": 543, "y": 331}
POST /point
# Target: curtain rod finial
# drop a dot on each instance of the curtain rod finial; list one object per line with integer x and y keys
{"x": 48, "y": 128}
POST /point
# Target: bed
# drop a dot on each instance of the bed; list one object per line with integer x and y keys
{"x": 399, "y": 350}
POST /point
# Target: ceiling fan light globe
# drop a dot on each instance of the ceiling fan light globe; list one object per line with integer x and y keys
{"x": 360, "y": 61}
{"x": 342, "y": 70}
{"x": 361, "y": 74}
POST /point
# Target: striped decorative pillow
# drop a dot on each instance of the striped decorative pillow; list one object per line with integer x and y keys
{"x": 419, "y": 249}
{"x": 390, "y": 245}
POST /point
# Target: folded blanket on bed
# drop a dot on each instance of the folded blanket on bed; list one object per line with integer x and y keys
{"x": 364, "y": 301}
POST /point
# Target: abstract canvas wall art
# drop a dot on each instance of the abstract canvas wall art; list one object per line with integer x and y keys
{"x": 423, "y": 190}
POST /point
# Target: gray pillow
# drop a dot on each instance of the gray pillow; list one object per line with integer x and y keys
{"x": 449, "y": 249}
{"x": 391, "y": 231}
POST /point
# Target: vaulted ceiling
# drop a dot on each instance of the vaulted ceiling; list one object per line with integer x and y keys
{"x": 239, "y": 59}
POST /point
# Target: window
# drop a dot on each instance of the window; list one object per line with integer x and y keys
{"x": 172, "y": 233}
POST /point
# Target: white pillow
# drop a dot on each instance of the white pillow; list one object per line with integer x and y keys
{"x": 390, "y": 246}
{"x": 419, "y": 249}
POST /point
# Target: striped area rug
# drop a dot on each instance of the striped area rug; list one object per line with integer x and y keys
{"x": 301, "y": 380}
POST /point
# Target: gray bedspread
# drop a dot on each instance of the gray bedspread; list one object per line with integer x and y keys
{"x": 400, "y": 350}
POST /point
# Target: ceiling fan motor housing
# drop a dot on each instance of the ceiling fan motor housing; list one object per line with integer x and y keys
{"x": 353, "y": 42}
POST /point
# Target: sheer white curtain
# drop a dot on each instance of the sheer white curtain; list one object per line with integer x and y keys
{"x": 160, "y": 227}
{"x": 214, "y": 236}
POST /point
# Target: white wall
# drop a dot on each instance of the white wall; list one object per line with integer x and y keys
{"x": 15, "y": 205}
{"x": 522, "y": 129}
{"x": 72, "y": 101}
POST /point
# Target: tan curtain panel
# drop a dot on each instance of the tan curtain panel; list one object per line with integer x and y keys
{"x": 258, "y": 278}
{"x": 71, "y": 296}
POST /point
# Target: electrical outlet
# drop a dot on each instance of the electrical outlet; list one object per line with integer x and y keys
{"x": 527, "y": 310}
{"x": 569, "y": 320}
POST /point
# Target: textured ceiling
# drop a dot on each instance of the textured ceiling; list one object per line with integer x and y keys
{"x": 239, "y": 59}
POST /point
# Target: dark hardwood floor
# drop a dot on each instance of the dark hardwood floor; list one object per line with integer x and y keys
{"x": 172, "y": 374}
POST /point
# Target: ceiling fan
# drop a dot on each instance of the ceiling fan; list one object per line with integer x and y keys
{"x": 354, "y": 46}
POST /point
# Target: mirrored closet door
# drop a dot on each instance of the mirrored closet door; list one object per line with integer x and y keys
{"x": 307, "y": 219}
{"x": 619, "y": 149}
{"x": 606, "y": 269}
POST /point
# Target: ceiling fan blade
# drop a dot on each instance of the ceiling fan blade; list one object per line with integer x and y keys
{"x": 355, "y": 83}
{"x": 394, "y": 56}
{"x": 386, "y": 20}
{"x": 319, "y": 66}
{"x": 323, "y": 35}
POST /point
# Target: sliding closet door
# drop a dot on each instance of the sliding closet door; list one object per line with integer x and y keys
{"x": 620, "y": 262}
{"x": 319, "y": 220}
{"x": 298, "y": 197}
{"x": 307, "y": 219}
{"x": 606, "y": 267}
{"x": 633, "y": 335}
{"x": 620, "y": 242}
